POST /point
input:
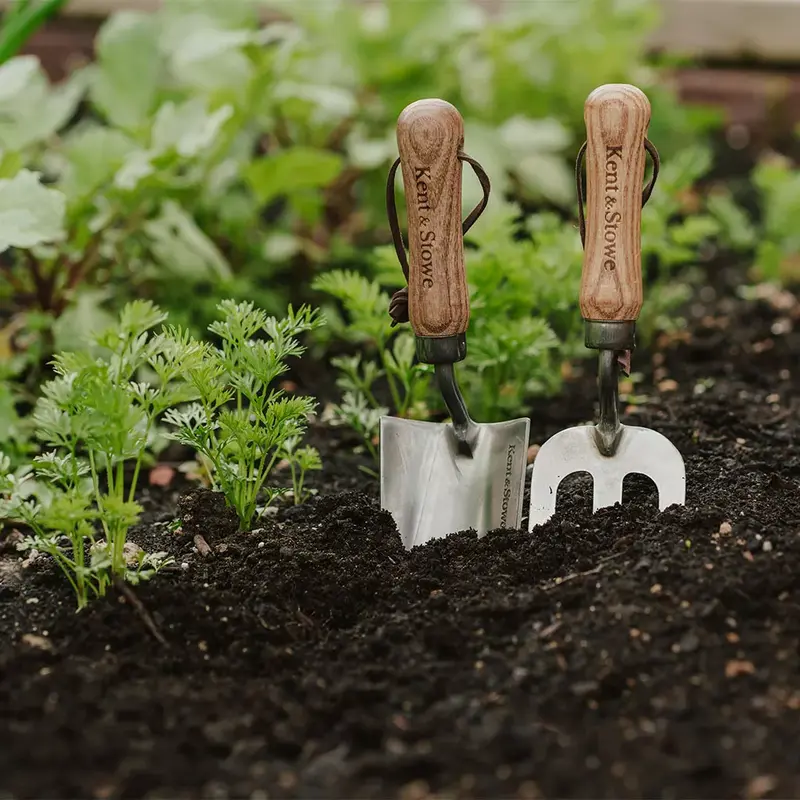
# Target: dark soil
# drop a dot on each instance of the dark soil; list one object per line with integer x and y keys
{"x": 627, "y": 654}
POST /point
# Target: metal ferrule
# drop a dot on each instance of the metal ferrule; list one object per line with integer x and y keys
{"x": 442, "y": 349}
{"x": 604, "y": 335}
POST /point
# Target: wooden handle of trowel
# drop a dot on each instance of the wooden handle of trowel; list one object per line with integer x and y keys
{"x": 430, "y": 134}
{"x": 617, "y": 117}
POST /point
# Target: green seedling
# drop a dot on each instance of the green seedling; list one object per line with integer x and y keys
{"x": 97, "y": 418}
{"x": 301, "y": 460}
{"x": 778, "y": 252}
{"x": 239, "y": 424}
{"x": 387, "y": 361}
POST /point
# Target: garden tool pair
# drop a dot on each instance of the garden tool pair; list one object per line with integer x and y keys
{"x": 440, "y": 478}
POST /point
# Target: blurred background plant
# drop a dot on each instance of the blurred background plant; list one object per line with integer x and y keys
{"x": 21, "y": 21}
{"x": 203, "y": 154}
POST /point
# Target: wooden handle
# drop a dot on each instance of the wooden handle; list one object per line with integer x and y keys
{"x": 617, "y": 117}
{"x": 430, "y": 134}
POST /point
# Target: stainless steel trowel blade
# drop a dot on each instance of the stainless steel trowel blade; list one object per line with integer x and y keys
{"x": 431, "y": 490}
{"x": 639, "y": 450}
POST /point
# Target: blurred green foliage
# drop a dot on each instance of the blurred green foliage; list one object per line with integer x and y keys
{"x": 777, "y": 235}
{"x": 205, "y": 155}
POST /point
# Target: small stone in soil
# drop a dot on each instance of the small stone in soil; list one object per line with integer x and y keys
{"x": 737, "y": 667}
{"x": 37, "y": 642}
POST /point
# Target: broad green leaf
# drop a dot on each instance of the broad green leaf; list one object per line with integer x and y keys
{"x": 10, "y": 164}
{"x": 181, "y": 248}
{"x": 30, "y": 109}
{"x": 135, "y": 167}
{"x": 481, "y": 144}
{"x": 231, "y": 13}
{"x": 30, "y": 213}
{"x": 366, "y": 153}
{"x": 523, "y": 136}
{"x": 476, "y": 72}
{"x": 188, "y": 128}
{"x": 84, "y": 318}
{"x": 547, "y": 176}
{"x": 125, "y": 83}
{"x": 291, "y": 171}
{"x": 205, "y": 55}
{"x": 280, "y": 246}
{"x": 693, "y": 230}
{"x": 94, "y": 154}
{"x": 329, "y": 103}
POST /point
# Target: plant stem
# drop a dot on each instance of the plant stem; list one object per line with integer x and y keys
{"x": 24, "y": 23}
{"x": 137, "y": 467}
{"x": 263, "y": 473}
{"x": 68, "y": 568}
{"x": 96, "y": 485}
{"x": 43, "y": 297}
{"x": 296, "y": 484}
{"x": 398, "y": 404}
{"x": 118, "y": 557}
{"x": 80, "y": 565}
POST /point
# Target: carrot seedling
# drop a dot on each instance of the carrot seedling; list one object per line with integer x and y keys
{"x": 98, "y": 421}
{"x": 240, "y": 425}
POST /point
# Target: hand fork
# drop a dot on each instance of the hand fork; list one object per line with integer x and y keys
{"x": 616, "y": 117}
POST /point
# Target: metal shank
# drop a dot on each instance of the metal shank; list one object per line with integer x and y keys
{"x": 465, "y": 430}
{"x": 443, "y": 352}
{"x": 608, "y": 428}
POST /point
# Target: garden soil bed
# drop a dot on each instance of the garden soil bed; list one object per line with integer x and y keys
{"x": 627, "y": 654}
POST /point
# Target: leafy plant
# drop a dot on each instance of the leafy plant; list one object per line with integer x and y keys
{"x": 243, "y": 442}
{"x": 778, "y": 253}
{"x": 301, "y": 460}
{"x": 98, "y": 417}
{"x": 202, "y": 148}
{"x": 21, "y": 21}
{"x": 385, "y": 372}
{"x": 204, "y": 154}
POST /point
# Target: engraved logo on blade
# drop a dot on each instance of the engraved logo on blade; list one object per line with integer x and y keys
{"x": 507, "y": 485}
{"x": 612, "y": 217}
{"x": 427, "y": 238}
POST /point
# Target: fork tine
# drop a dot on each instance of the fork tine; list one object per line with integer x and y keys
{"x": 607, "y": 488}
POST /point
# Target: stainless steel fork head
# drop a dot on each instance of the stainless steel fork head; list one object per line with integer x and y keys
{"x": 639, "y": 450}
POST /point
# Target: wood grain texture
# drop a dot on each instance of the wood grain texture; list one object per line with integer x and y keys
{"x": 430, "y": 134}
{"x": 617, "y": 117}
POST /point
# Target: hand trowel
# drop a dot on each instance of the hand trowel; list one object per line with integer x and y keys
{"x": 617, "y": 117}
{"x": 440, "y": 478}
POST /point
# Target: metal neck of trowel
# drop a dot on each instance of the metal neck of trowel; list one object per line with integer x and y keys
{"x": 443, "y": 353}
{"x": 617, "y": 117}
{"x": 430, "y": 138}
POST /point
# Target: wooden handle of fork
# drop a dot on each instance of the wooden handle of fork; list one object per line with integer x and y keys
{"x": 430, "y": 134}
{"x": 617, "y": 117}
